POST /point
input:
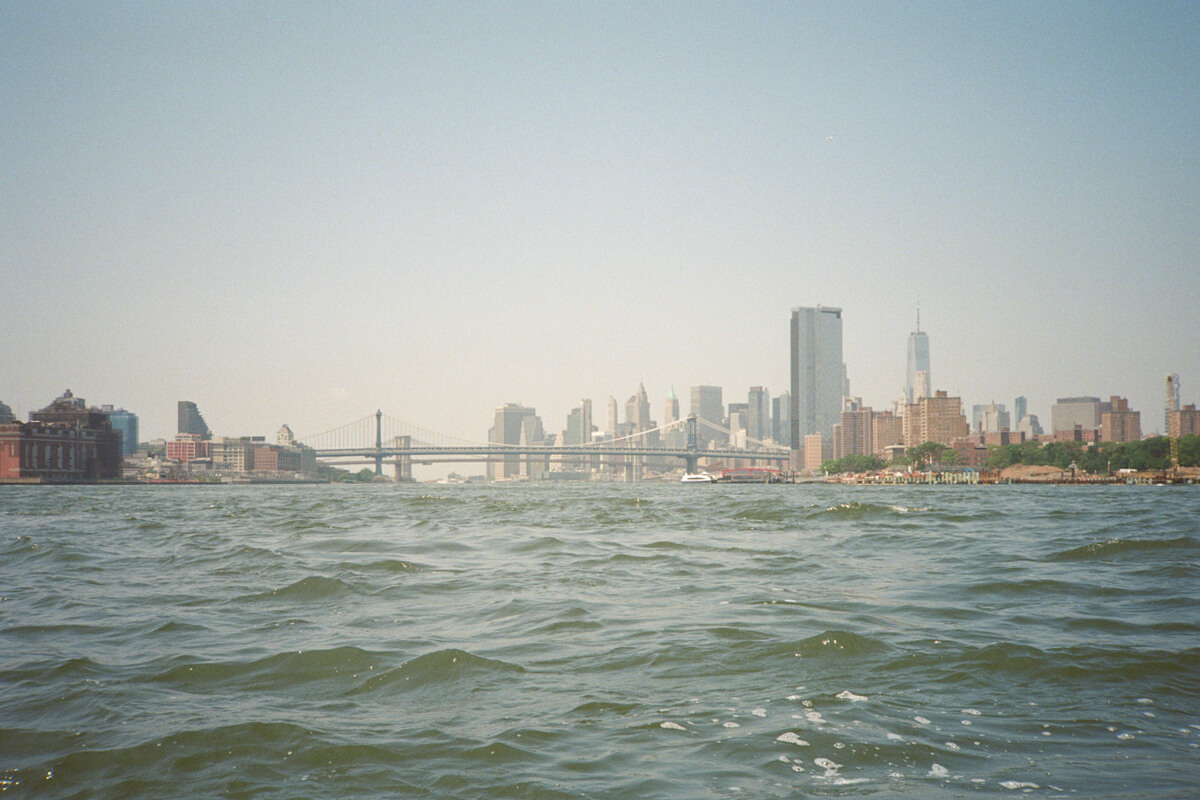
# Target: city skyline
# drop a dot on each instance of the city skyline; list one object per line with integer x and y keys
{"x": 440, "y": 210}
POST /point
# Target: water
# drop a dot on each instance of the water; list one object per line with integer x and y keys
{"x": 599, "y": 641}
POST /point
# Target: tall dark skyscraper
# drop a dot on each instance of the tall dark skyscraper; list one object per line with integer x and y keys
{"x": 818, "y": 373}
{"x": 708, "y": 405}
{"x": 191, "y": 421}
{"x": 918, "y": 383}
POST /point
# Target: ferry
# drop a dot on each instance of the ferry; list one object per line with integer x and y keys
{"x": 697, "y": 477}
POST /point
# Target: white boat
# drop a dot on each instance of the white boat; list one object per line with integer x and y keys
{"x": 697, "y": 477}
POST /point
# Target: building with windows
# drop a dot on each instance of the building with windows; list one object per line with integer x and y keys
{"x": 189, "y": 447}
{"x": 1070, "y": 412}
{"x": 517, "y": 425}
{"x": 64, "y": 442}
{"x": 6, "y": 413}
{"x": 818, "y": 374}
{"x": 707, "y": 405}
{"x": 916, "y": 384}
{"x": 1119, "y": 424}
{"x": 758, "y": 414}
{"x": 934, "y": 419}
{"x": 1184, "y": 421}
{"x": 125, "y": 422}
{"x": 781, "y": 427}
{"x": 191, "y": 421}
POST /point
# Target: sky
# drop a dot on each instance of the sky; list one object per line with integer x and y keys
{"x": 303, "y": 212}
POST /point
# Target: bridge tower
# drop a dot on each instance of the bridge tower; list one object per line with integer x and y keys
{"x": 378, "y": 442}
{"x": 692, "y": 461}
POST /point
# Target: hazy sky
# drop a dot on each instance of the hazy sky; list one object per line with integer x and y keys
{"x": 303, "y": 212}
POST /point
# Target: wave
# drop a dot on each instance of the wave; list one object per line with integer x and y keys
{"x": 1117, "y": 547}
{"x": 443, "y": 667}
{"x": 275, "y": 672}
{"x": 314, "y": 587}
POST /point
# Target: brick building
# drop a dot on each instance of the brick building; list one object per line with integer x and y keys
{"x": 64, "y": 442}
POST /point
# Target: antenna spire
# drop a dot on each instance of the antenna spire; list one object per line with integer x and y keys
{"x": 918, "y": 316}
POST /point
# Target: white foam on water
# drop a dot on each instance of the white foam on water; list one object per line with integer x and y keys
{"x": 978, "y": 780}
{"x": 1125, "y": 737}
{"x": 1145, "y": 701}
{"x": 784, "y": 759}
{"x": 967, "y": 722}
{"x": 831, "y": 768}
{"x": 921, "y": 720}
{"x": 806, "y": 703}
{"x": 1019, "y": 785}
{"x": 793, "y": 697}
{"x": 731, "y": 725}
{"x": 1150, "y": 714}
{"x": 672, "y": 726}
{"x": 797, "y": 768}
{"x": 938, "y": 771}
{"x": 790, "y": 737}
{"x": 895, "y": 737}
{"x": 952, "y": 746}
{"x": 974, "y": 712}
{"x": 814, "y": 717}
{"x": 759, "y": 712}
{"x": 851, "y": 696}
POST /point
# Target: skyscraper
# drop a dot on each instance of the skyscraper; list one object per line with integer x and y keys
{"x": 918, "y": 361}
{"x": 127, "y": 423}
{"x": 708, "y": 406}
{"x": 818, "y": 373}
{"x": 191, "y": 421}
{"x": 514, "y": 424}
{"x": 758, "y": 418}
{"x": 781, "y": 427}
{"x": 672, "y": 411}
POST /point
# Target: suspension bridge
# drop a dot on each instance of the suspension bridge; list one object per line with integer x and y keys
{"x": 380, "y": 438}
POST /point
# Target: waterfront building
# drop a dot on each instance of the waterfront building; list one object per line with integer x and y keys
{"x": 1184, "y": 421}
{"x": 191, "y": 421}
{"x": 918, "y": 375}
{"x": 1120, "y": 424}
{"x": 1172, "y": 400}
{"x": 708, "y": 405}
{"x": 818, "y": 374}
{"x": 510, "y": 427}
{"x": 934, "y": 419}
{"x": 126, "y": 422}
{"x": 189, "y": 447}
{"x": 6, "y": 413}
{"x": 232, "y": 454}
{"x": 65, "y": 441}
{"x": 1070, "y": 412}
{"x": 758, "y": 414}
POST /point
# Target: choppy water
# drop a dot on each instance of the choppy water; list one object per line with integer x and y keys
{"x": 599, "y": 641}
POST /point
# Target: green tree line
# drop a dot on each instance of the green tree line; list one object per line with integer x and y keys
{"x": 1102, "y": 458}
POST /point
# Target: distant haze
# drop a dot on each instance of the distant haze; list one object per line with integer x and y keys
{"x": 303, "y": 212}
